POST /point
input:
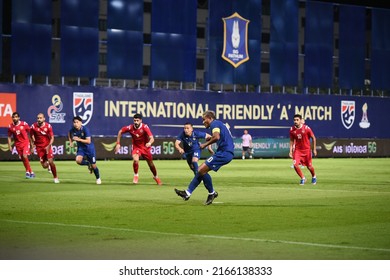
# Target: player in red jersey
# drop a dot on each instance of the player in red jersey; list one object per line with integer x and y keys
{"x": 20, "y": 132}
{"x": 300, "y": 148}
{"x": 142, "y": 139}
{"x": 42, "y": 137}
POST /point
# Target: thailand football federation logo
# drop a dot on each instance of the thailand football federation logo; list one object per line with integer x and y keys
{"x": 347, "y": 113}
{"x": 235, "y": 40}
{"x": 83, "y": 105}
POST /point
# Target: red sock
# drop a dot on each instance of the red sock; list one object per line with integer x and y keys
{"x": 26, "y": 164}
{"x": 53, "y": 169}
{"x": 299, "y": 171}
{"x": 154, "y": 171}
{"x": 311, "y": 169}
{"x": 135, "y": 167}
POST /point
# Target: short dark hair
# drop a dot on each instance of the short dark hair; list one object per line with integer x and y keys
{"x": 15, "y": 114}
{"x": 77, "y": 118}
{"x": 137, "y": 116}
{"x": 209, "y": 114}
{"x": 298, "y": 116}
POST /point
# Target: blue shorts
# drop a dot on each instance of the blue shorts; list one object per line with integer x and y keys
{"x": 89, "y": 154}
{"x": 189, "y": 156}
{"x": 219, "y": 159}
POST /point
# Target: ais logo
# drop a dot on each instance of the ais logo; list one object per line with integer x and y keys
{"x": 7, "y": 107}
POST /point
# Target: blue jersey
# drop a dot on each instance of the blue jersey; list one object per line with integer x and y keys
{"x": 191, "y": 143}
{"x": 83, "y": 133}
{"x": 225, "y": 142}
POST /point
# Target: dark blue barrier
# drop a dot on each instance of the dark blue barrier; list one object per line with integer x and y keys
{"x": 352, "y": 46}
{"x": 125, "y": 39}
{"x": 124, "y": 54}
{"x": 31, "y": 37}
{"x": 79, "y": 38}
{"x": 173, "y": 51}
{"x": 1, "y": 41}
{"x": 319, "y": 45}
{"x": 105, "y": 110}
{"x": 221, "y": 70}
{"x": 284, "y": 43}
{"x": 380, "y": 52}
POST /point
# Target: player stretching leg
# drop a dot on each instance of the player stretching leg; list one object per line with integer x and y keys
{"x": 225, "y": 153}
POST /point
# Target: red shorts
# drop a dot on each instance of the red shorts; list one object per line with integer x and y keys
{"x": 43, "y": 155}
{"x": 142, "y": 151}
{"x": 302, "y": 157}
{"x": 23, "y": 149}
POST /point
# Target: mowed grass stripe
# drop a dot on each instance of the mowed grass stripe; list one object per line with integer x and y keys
{"x": 201, "y": 236}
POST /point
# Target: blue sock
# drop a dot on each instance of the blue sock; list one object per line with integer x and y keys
{"x": 84, "y": 162}
{"x": 194, "y": 183}
{"x": 208, "y": 182}
{"x": 97, "y": 174}
{"x": 195, "y": 165}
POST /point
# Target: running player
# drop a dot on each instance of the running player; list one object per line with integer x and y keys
{"x": 142, "y": 140}
{"x": 86, "y": 154}
{"x": 20, "y": 132}
{"x": 42, "y": 137}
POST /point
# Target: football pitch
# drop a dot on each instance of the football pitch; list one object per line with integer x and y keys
{"x": 262, "y": 213}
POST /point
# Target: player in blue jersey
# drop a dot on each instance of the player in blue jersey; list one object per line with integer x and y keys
{"x": 187, "y": 144}
{"x": 224, "y": 154}
{"x": 86, "y": 154}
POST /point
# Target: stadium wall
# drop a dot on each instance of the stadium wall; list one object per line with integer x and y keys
{"x": 266, "y": 115}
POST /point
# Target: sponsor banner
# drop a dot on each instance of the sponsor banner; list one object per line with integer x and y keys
{"x": 164, "y": 148}
{"x": 55, "y": 110}
{"x": 353, "y": 147}
{"x": 265, "y": 147}
{"x": 7, "y": 107}
{"x": 105, "y": 149}
{"x": 106, "y": 110}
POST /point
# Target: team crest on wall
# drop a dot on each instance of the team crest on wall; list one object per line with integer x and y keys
{"x": 235, "y": 39}
{"x": 83, "y": 105}
{"x": 347, "y": 113}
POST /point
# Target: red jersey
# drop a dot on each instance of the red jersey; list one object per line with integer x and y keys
{"x": 20, "y": 133}
{"x": 301, "y": 137}
{"x": 42, "y": 134}
{"x": 140, "y": 136}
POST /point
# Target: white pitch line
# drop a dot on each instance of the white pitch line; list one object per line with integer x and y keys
{"x": 203, "y": 236}
{"x": 315, "y": 189}
{"x": 260, "y": 127}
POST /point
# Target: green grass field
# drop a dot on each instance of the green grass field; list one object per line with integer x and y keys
{"x": 261, "y": 212}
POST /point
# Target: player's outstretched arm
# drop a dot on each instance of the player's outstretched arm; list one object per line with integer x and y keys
{"x": 118, "y": 141}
